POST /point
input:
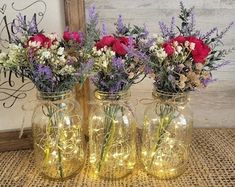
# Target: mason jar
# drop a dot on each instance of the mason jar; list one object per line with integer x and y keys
{"x": 166, "y": 135}
{"x": 112, "y": 135}
{"x": 57, "y": 134}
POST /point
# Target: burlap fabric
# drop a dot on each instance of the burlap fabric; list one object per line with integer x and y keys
{"x": 212, "y": 163}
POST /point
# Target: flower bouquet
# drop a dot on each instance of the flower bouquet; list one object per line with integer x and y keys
{"x": 180, "y": 62}
{"x": 118, "y": 59}
{"x": 118, "y": 63}
{"x": 54, "y": 66}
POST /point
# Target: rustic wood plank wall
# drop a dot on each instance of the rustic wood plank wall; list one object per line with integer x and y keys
{"x": 212, "y": 107}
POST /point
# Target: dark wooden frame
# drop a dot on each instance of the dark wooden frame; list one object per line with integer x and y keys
{"x": 75, "y": 20}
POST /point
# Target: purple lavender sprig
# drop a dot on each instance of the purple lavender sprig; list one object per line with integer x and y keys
{"x": 33, "y": 26}
{"x": 120, "y": 24}
{"x": 104, "y": 31}
{"x": 120, "y": 27}
{"x": 93, "y": 33}
{"x": 209, "y": 33}
{"x": 221, "y": 35}
{"x": 164, "y": 30}
{"x": 22, "y": 27}
{"x": 192, "y": 22}
{"x": 118, "y": 63}
{"x": 92, "y": 15}
{"x": 172, "y": 34}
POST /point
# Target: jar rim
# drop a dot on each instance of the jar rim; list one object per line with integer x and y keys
{"x": 102, "y": 95}
{"x": 54, "y": 95}
{"x": 169, "y": 94}
{"x": 181, "y": 97}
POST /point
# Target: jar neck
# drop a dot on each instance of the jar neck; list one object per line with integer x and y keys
{"x": 177, "y": 98}
{"x": 54, "y": 96}
{"x": 107, "y": 96}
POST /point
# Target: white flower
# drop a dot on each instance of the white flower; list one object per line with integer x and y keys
{"x": 105, "y": 48}
{"x": 152, "y": 48}
{"x": 94, "y": 49}
{"x": 54, "y": 46}
{"x": 53, "y": 36}
{"x": 192, "y": 46}
{"x": 158, "y": 38}
{"x": 67, "y": 69}
{"x": 34, "y": 44}
{"x": 105, "y": 63}
{"x": 175, "y": 43}
{"x": 112, "y": 53}
{"x": 178, "y": 48}
{"x": 23, "y": 39}
{"x": 62, "y": 59}
{"x": 131, "y": 75}
{"x": 46, "y": 54}
{"x": 60, "y": 51}
{"x": 161, "y": 54}
{"x": 186, "y": 44}
{"x": 99, "y": 53}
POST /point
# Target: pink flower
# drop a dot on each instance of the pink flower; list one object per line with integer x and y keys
{"x": 73, "y": 36}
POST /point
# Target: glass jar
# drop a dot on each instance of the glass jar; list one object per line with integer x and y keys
{"x": 167, "y": 132}
{"x": 57, "y": 134}
{"x": 112, "y": 136}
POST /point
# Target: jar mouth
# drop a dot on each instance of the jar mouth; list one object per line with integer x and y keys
{"x": 53, "y": 96}
{"x": 101, "y": 95}
{"x": 173, "y": 97}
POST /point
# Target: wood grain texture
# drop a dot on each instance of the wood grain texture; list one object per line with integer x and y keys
{"x": 212, "y": 107}
{"x": 75, "y": 20}
{"x": 10, "y": 140}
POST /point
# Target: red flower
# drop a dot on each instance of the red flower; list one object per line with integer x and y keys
{"x": 41, "y": 39}
{"x": 66, "y": 36}
{"x": 168, "y": 49}
{"x": 124, "y": 40}
{"x": 117, "y": 44}
{"x": 119, "y": 48}
{"x": 74, "y": 36}
{"x": 105, "y": 41}
{"x": 201, "y": 50}
{"x": 180, "y": 39}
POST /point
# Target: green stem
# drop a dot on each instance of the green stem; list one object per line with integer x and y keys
{"x": 165, "y": 120}
{"x": 109, "y": 132}
{"x": 51, "y": 112}
{"x": 59, "y": 160}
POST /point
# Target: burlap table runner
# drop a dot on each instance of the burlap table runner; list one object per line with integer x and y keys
{"x": 212, "y": 163}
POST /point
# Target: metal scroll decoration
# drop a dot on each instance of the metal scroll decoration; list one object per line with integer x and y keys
{"x": 10, "y": 91}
